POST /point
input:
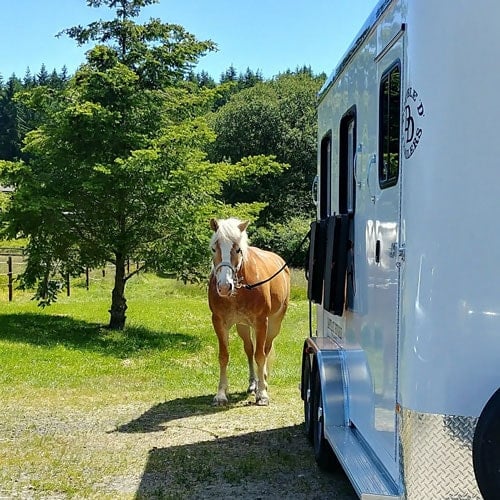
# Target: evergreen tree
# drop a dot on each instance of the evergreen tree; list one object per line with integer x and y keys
{"x": 116, "y": 169}
{"x": 230, "y": 75}
{"x": 205, "y": 80}
{"x": 10, "y": 136}
{"x": 63, "y": 75}
{"x": 29, "y": 80}
{"x": 42, "y": 78}
{"x": 249, "y": 79}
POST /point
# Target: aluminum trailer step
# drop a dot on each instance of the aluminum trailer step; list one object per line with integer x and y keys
{"x": 369, "y": 481}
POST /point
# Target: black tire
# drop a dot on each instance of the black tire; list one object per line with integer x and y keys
{"x": 486, "y": 449}
{"x": 307, "y": 396}
{"x": 323, "y": 453}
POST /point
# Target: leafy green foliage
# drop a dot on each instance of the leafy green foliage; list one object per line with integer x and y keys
{"x": 285, "y": 239}
{"x": 276, "y": 118}
{"x": 117, "y": 170}
{"x": 15, "y": 119}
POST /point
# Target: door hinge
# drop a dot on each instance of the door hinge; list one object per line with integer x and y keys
{"x": 398, "y": 251}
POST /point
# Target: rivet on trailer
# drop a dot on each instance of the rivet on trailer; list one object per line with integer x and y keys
{"x": 401, "y": 378}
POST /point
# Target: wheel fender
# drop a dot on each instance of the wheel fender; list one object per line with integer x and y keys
{"x": 330, "y": 365}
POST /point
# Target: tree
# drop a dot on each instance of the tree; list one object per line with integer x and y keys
{"x": 249, "y": 79}
{"x": 117, "y": 170}
{"x": 230, "y": 75}
{"x": 10, "y": 136}
{"x": 29, "y": 80}
{"x": 43, "y": 77}
{"x": 276, "y": 117}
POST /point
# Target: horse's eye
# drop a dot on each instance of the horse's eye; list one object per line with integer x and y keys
{"x": 238, "y": 250}
{"x": 213, "y": 249}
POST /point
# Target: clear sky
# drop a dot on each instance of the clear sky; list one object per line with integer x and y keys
{"x": 267, "y": 35}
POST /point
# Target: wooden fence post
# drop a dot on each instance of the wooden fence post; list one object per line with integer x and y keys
{"x": 10, "y": 276}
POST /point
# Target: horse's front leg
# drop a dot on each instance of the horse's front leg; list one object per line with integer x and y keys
{"x": 261, "y": 396}
{"x": 222, "y": 332}
{"x": 246, "y": 335}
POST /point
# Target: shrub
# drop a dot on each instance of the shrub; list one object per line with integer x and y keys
{"x": 284, "y": 239}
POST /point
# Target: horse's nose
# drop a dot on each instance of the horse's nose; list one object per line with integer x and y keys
{"x": 225, "y": 289}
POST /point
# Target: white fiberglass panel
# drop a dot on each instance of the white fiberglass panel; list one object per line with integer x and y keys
{"x": 450, "y": 335}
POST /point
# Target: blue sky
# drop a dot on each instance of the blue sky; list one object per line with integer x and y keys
{"x": 267, "y": 35}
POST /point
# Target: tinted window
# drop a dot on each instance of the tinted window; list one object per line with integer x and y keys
{"x": 389, "y": 134}
{"x": 325, "y": 177}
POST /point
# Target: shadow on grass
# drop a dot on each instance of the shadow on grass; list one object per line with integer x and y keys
{"x": 275, "y": 463}
{"x": 156, "y": 418}
{"x": 50, "y": 331}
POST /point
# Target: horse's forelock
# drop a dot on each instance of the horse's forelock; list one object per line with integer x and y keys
{"x": 228, "y": 230}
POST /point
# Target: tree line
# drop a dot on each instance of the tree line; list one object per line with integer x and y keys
{"x": 15, "y": 120}
{"x": 132, "y": 155}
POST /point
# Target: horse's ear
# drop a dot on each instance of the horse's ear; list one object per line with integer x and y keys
{"x": 242, "y": 226}
{"x": 214, "y": 225}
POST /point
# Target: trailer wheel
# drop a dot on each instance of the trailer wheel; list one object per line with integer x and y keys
{"x": 486, "y": 449}
{"x": 306, "y": 386}
{"x": 323, "y": 453}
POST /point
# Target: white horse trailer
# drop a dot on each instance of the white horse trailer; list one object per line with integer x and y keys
{"x": 401, "y": 380}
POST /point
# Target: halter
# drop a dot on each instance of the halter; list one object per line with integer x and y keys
{"x": 235, "y": 270}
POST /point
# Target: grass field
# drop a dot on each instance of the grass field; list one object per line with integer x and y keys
{"x": 92, "y": 413}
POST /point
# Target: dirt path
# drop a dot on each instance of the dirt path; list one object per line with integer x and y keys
{"x": 244, "y": 451}
{"x": 177, "y": 449}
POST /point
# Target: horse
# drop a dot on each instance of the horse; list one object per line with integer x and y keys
{"x": 250, "y": 288}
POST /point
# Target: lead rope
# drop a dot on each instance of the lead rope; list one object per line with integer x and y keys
{"x": 255, "y": 285}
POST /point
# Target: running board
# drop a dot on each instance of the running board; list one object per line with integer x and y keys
{"x": 369, "y": 481}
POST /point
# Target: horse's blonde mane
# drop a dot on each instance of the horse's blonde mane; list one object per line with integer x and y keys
{"x": 228, "y": 230}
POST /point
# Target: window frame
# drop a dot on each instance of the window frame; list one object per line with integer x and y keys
{"x": 384, "y": 137}
{"x": 325, "y": 178}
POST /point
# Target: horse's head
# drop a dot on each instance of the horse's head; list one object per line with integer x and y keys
{"x": 229, "y": 244}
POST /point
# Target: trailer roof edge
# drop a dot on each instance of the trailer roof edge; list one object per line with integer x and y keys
{"x": 358, "y": 41}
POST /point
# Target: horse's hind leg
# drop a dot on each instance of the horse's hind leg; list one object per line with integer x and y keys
{"x": 263, "y": 351}
{"x": 261, "y": 396}
{"x": 246, "y": 335}
{"x": 273, "y": 328}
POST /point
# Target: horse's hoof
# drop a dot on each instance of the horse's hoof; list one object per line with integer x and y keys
{"x": 252, "y": 388}
{"x": 262, "y": 401}
{"x": 219, "y": 401}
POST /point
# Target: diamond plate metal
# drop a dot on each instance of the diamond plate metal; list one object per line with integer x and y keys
{"x": 436, "y": 454}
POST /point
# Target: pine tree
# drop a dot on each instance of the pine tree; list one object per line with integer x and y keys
{"x": 230, "y": 75}
{"x": 10, "y": 137}
{"x": 42, "y": 78}
{"x": 29, "y": 80}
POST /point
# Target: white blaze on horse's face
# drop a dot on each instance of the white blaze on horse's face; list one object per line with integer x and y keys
{"x": 227, "y": 262}
{"x": 227, "y": 244}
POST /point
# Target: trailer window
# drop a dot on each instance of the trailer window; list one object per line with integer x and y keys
{"x": 347, "y": 192}
{"x": 325, "y": 189}
{"x": 347, "y": 155}
{"x": 389, "y": 133}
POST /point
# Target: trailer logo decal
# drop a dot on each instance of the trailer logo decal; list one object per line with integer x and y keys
{"x": 413, "y": 113}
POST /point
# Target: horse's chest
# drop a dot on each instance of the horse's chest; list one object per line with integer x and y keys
{"x": 238, "y": 309}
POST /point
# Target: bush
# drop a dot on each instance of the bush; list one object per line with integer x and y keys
{"x": 284, "y": 239}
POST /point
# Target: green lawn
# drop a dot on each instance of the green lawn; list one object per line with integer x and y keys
{"x": 85, "y": 408}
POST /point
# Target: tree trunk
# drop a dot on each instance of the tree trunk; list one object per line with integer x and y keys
{"x": 118, "y": 300}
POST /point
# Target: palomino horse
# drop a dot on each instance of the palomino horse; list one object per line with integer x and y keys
{"x": 234, "y": 301}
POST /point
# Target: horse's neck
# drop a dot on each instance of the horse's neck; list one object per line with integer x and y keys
{"x": 249, "y": 262}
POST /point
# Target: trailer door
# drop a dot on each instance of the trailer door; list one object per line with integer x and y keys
{"x": 373, "y": 380}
